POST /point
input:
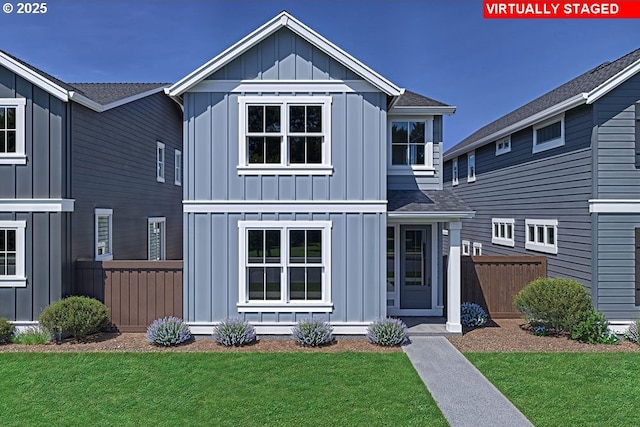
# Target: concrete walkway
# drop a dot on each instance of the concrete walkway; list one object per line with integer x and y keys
{"x": 463, "y": 394}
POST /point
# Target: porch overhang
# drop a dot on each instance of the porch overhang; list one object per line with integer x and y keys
{"x": 429, "y": 216}
{"x": 427, "y": 205}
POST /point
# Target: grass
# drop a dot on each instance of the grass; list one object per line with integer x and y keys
{"x": 567, "y": 389}
{"x": 195, "y": 389}
{"x": 31, "y": 336}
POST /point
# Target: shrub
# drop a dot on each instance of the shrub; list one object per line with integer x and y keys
{"x": 472, "y": 315}
{"x": 168, "y": 331}
{"x": 32, "y": 335}
{"x": 387, "y": 332}
{"x": 6, "y": 330}
{"x": 78, "y": 316}
{"x": 631, "y": 333}
{"x": 312, "y": 333}
{"x": 234, "y": 332}
{"x": 558, "y": 304}
{"x": 594, "y": 329}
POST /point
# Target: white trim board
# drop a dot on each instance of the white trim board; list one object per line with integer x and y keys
{"x": 614, "y": 206}
{"x": 284, "y": 206}
{"x": 283, "y": 328}
{"x": 284, "y": 86}
{"x": 37, "y": 205}
{"x": 33, "y": 77}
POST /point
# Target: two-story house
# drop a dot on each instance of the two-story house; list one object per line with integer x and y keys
{"x": 89, "y": 171}
{"x": 313, "y": 188}
{"x": 560, "y": 177}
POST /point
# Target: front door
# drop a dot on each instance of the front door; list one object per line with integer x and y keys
{"x": 415, "y": 267}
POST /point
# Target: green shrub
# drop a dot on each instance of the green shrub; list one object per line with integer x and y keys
{"x": 6, "y": 330}
{"x": 594, "y": 329}
{"x": 312, "y": 333}
{"x": 78, "y": 316}
{"x": 388, "y": 332}
{"x": 556, "y": 303}
{"x": 31, "y": 336}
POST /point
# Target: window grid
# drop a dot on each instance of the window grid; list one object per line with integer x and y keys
{"x": 542, "y": 235}
{"x": 8, "y": 130}
{"x": 503, "y": 231}
{"x": 8, "y": 252}
{"x": 408, "y": 143}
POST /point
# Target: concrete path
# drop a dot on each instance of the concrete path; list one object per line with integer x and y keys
{"x": 463, "y": 394}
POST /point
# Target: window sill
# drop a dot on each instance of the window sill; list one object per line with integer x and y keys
{"x": 13, "y": 159}
{"x": 538, "y": 148}
{"x": 418, "y": 171}
{"x": 13, "y": 282}
{"x": 177, "y": 183}
{"x": 108, "y": 257}
{"x": 160, "y": 179}
{"x": 280, "y": 307}
{"x": 286, "y": 170}
{"x": 503, "y": 242}
{"x": 471, "y": 179}
{"x": 541, "y": 248}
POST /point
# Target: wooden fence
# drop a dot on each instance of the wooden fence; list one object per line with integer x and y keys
{"x": 136, "y": 292}
{"x": 493, "y": 281}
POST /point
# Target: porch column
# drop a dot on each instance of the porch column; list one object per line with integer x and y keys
{"x": 453, "y": 279}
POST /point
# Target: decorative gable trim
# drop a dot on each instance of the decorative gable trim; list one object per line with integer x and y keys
{"x": 33, "y": 77}
{"x": 283, "y": 19}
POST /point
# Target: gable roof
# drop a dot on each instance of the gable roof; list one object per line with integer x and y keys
{"x": 410, "y": 103}
{"x": 97, "y": 96}
{"x": 584, "y": 89}
{"x": 282, "y": 20}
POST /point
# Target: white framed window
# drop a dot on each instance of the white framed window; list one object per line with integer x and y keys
{"x": 178, "y": 167}
{"x": 285, "y": 266}
{"x": 156, "y": 238}
{"x": 12, "y": 131}
{"x": 503, "y": 146}
{"x": 477, "y": 249}
{"x": 12, "y": 254}
{"x": 285, "y": 135}
{"x": 502, "y": 231}
{"x": 159, "y": 161}
{"x": 466, "y": 248}
{"x": 548, "y": 134}
{"x": 542, "y": 235}
{"x": 103, "y": 234}
{"x": 411, "y": 144}
{"x": 471, "y": 166}
{"x": 454, "y": 172}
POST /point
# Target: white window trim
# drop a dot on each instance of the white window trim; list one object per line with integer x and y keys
{"x": 471, "y": 155}
{"x": 466, "y": 248}
{"x": 19, "y": 280}
{"x": 177, "y": 168}
{"x": 500, "y": 240}
{"x": 541, "y": 247}
{"x": 454, "y": 172}
{"x": 428, "y": 167}
{"x": 97, "y": 213}
{"x": 163, "y": 249}
{"x": 245, "y": 168}
{"x": 548, "y": 145}
{"x": 324, "y": 305}
{"x": 160, "y": 161}
{"x": 504, "y": 149}
{"x": 20, "y": 156}
{"x": 477, "y": 249}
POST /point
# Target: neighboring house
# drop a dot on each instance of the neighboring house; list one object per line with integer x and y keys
{"x": 88, "y": 171}
{"x": 560, "y": 177}
{"x": 313, "y": 188}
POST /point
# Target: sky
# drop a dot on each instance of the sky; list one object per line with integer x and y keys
{"x": 445, "y": 50}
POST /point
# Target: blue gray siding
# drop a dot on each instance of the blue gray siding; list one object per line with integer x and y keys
{"x": 421, "y": 182}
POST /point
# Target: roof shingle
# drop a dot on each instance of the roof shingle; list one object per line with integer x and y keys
{"x": 412, "y": 99}
{"x": 425, "y": 201}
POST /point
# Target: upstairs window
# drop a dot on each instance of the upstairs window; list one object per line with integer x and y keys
{"x": 542, "y": 235}
{"x": 471, "y": 166}
{"x": 548, "y": 135}
{"x": 285, "y": 135}
{"x": 503, "y": 146}
{"x": 159, "y": 161}
{"x": 454, "y": 172}
{"x": 12, "y": 125}
{"x": 178, "y": 167}
{"x": 407, "y": 143}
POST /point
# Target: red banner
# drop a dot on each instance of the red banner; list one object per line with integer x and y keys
{"x": 561, "y": 9}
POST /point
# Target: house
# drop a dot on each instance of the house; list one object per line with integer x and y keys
{"x": 313, "y": 188}
{"x": 87, "y": 171}
{"x": 560, "y": 177}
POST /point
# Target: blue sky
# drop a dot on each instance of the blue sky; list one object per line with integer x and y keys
{"x": 442, "y": 49}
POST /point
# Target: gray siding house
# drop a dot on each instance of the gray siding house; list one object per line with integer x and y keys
{"x": 89, "y": 171}
{"x": 560, "y": 177}
{"x": 313, "y": 188}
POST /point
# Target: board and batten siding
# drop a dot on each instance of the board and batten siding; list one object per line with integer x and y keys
{"x": 114, "y": 167}
{"x": 211, "y": 267}
{"x": 553, "y": 184}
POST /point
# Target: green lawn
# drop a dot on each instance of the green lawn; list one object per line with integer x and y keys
{"x": 214, "y": 389}
{"x": 567, "y": 389}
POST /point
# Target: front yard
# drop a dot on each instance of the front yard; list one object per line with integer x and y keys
{"x": 195, "y": 389}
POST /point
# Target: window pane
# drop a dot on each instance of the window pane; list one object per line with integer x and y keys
{"x": 540, "y": 230}
{"x": 11, "y": 141}
{"x": 413, "y": 258}
{"x": 314, "y": 246}
{"x": 272, "y": 120}
{"x": 399, "y": 155}
{"x": 502, "y": 233}
{"x": 103, "y": 235}
{"x": 297, "y": 283}
{"x": 314, "y": 283}
{"x": 314, "y": 149}
{"x": 416, "y": 132}
{"x": 273, "y": 283}
{"x": 296, "y": 118}
{"x": 416, "y": 154}
{"x": 314, "y": 118}
{"x": 11, "y": 264}
{"x": 399, "y": 132}
{"x": 296, "y": 246}
{"x": 296, "y": 149}
{"x": 256, "y": 150}
{"x": 532, "y": 234}
{"x": 2, "y": 240}
{"x": 11, "y": 118}
{"x": 272, "y": 150}
{"x": 2, "y": 117}
{"x": 3, "y": 265}
{"x": 496, "y": 228}
{"x": 509, "y": 231}
{"x": 255, "y": 118}
{"x": 256, "y": 246}
{"x": 549, "y": 133}
{"x": 256, "y": 283}
{"x": 551, "y": 236}
{"x": 272, "y": 246}
{"x": 3, "y": 147}
{"x": 390, "y": 259}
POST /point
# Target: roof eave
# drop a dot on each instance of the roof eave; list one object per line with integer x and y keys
{"x": 444, "y": 215}
{"x": 613, "y": 82}
{"x": 33, "y": 77}
{"x": 415, "y": 111}
{"x": 96, "y": 106}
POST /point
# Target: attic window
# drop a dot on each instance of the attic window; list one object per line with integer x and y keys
{"x": 503, "y": 146}
{"x": 548, "y": 135}
{"x": 12, "y": 125}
